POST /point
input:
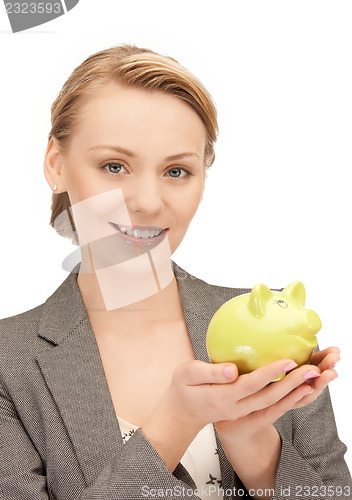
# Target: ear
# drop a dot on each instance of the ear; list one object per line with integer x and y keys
{"x": 259, "y": 298}
{"x": 52, "y": 167}
{"x": 297, "y": 291}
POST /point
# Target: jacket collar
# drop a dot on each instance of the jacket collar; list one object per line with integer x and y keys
{"x": 75, "y": 375}
{"x": 64, "y": 310}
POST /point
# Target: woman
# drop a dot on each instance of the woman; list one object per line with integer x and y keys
{"x": 106, "y": 389}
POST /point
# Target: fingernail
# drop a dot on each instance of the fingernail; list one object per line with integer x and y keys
{"x": 334, "y": 363}
{"x": 227, "y": 372}
{"x": 311, "y": 375}
{"x": 290, "y": 366}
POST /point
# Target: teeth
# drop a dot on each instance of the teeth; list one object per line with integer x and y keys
{"x": 138, "y": 233}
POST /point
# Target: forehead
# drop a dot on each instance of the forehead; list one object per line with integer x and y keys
{"x": 131, "y": 114}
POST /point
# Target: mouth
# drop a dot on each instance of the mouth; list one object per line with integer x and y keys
{"x": 145, "y": 235}
{"x": 307, "y": 337}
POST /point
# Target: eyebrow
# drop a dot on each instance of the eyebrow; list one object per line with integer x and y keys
{"x": 126, "y": 152}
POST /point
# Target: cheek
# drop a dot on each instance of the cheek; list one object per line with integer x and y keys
{"x": 84, "y": 186}
{"x": 187, "y": 209}
{"x": 78, "y": 179}
{"x": 93, "y": 214}
{"x": 190, "y": 201}
{"x": 74, "y": 185}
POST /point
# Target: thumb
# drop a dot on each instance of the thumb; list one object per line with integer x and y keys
{"x": 230, "y": 371}
{"x": 222, "y": 373}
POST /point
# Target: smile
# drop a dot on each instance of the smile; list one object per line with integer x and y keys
{"x": 141, "y": 233}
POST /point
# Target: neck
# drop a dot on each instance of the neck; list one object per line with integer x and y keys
{"x": 145, "y": 295}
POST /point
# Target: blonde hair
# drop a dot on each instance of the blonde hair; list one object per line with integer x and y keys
{"x": 131, "y": 66}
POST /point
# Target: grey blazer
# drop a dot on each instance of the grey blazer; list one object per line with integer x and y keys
{"x": 59, "y": 435}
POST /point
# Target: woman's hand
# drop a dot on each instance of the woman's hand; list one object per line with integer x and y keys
{"x": 251, "y": 443}
{"x": 325, "y": 361}
{"x": 241, "y": 406}
{"x": 201, "y": 393}
{"x": 296, "y": 390}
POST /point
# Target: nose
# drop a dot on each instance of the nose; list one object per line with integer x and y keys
{"x": 145, "y": 194}
{"x": 313, "y": 321}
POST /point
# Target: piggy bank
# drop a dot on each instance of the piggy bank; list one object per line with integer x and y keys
{"x": 260, "y": 327}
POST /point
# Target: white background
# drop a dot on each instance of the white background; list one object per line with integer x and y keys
{"x": 277, "y": 203}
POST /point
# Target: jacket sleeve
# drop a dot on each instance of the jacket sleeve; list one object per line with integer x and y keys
{"x": 311, "y": 464}
{"x": 312, "y": 461}
{"x": 22, "y": 473}
{"x": 128, "y": 476}
{"x": 137, "y": 471}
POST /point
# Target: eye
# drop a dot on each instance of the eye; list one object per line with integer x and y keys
{"x": 282, "y": 304}
{"x": 113, "y": 167}
{"x": 176, "y": 172}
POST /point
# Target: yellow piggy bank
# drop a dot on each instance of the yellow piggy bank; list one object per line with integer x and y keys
{"x": 260, "y": 327}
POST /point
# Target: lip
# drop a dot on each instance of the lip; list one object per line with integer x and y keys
{"x": 309, "y": 338}
{"x": 143, "y": 242}
{"x": 308, "y": 333}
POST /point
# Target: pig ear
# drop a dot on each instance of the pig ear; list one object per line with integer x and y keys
{"x": 297, "y": 291}
{"x": 260, "y": 296}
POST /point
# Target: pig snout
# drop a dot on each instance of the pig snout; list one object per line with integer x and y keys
{"x": 313, "y": 321}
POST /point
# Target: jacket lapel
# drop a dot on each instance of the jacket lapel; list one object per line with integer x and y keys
{"x": 75, "y": 375}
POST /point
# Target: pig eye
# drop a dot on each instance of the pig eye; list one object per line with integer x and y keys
{"x": 282, "y": 304}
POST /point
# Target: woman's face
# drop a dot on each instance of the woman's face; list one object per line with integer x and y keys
{"x": 135, "y": 159}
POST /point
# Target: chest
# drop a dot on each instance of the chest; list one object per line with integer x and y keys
{"x": 139, "y": 368}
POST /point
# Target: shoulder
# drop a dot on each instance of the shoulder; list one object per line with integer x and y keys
{"x": 19, "y": 343}
{"x": 21, "y": 327}
{"x": 28, "y": 330}
{"x": 192, "y": 283}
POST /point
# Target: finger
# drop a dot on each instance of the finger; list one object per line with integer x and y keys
{"x": 252, "y": 383}
{"x": 272, "y": 394}
{"x": 318, "y": 357}
{"x": 318, "y": 385}
{"x": 293, "y": 392}
{"x": 267, "y": 416}
{"x": 198, "y": 372}
{"x": 330, "y": 361}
